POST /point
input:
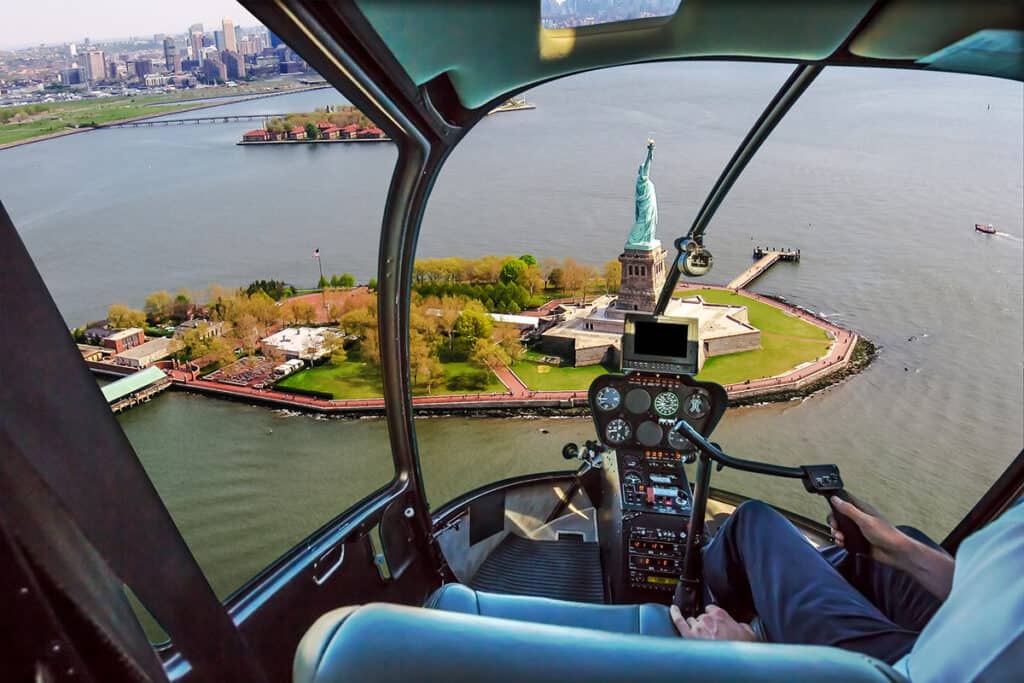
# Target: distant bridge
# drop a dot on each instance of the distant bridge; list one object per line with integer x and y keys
{"x": 232, "y": 118}
{"x": 766, "y": 258}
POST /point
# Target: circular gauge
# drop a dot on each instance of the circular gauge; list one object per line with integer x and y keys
{"x": 678, "y": 441}
{"x": 638, "y": 401}
{"x": 631, "y": 461}
{"x": 696, "y": 405}
{"x": 632, "y": 479}
{"x": 617, "y": 431}
{"x": 666, "y": 404}
{"x": 649, "y": 433}
{"x": 608, "y": 398}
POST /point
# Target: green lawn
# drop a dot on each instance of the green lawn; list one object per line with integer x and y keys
{"x": 786, "y": 341}
{"x": 768, "y": 319}
{"x": 541, "y": 377}
{"x": 355, "y": 379}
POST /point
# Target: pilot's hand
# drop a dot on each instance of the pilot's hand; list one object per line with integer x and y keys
{"x": 888, "y": 544}
{"x": 714, "y": 624}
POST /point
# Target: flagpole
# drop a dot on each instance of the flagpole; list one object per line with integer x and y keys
{"x": 323, "y": 290}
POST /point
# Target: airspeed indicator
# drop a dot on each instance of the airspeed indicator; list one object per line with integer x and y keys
{"x": 608, "y": 398}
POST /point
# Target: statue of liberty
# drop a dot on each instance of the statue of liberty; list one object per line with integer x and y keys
{"x": 645, "y": 222}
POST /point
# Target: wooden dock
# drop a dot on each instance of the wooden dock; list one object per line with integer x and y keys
{"x": 765, "y": 259}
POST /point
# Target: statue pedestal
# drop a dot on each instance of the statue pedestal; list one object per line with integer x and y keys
{"x": 643, "y": 275}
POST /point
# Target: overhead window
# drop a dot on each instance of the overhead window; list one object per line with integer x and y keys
{"x": 573, "y": 13}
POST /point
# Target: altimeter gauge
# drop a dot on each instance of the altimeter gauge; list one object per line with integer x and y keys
{"x": 666, "y": 404}
{"x": 618, "y": 431}
{"x": 608, "y": 398}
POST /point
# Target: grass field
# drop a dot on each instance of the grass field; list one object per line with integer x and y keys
{"x": 541, "y": 377}
{"x": 786, "y": 341}
{"x": 354, "y": 379}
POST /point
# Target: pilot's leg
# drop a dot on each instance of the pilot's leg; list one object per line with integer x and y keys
{"x": 895, "y": 593}
{"x": 759, "y": 563}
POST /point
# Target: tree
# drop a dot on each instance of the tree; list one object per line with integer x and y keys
{"x": 487, "y": 353}
{"x": 323, "y": 283}
{"x": 335, "y": 281}
{"x": 312, "y": 132}
{"x": 473, "y": 322}
{"x": 507, "y": 337}
{"x": 612, "y": 276}
{"x": 555, "y": 278}
{"x": 450, "y": 308}
{"x": 334, "y": 344}
{"x": 182, "y": 302}
{"x": 121, "y": 316}
{"x": 431, "y": 372}
{"x": 346, "y": 280}
{"x": 512, "y": 271}
{"x": 372, "y": 284}
{"x": 528, "y": 259}
{"x": 534, "y": 279}
{"x": 158, "y": 305}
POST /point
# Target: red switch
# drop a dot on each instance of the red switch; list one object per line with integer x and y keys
{"x": 650, "y": 495}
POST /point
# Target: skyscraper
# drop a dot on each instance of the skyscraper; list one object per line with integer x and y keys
{"x": 218, "y": 40}
{"x": 230, "y": 44}
{"x": 234, "y": 63}
{"x": 214, "y": 70}
{"x": 196, "y": 41}
{"x": 172, "y": 62}
{"x": 143, "y": 67}
{"x": 95, "y": 64}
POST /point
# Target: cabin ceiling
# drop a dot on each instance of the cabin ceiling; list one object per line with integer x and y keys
{"x": 489, "y": 48}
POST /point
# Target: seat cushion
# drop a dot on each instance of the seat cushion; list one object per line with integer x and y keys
{"x": 398, "y": 644}
{"x": 647, "y": 619}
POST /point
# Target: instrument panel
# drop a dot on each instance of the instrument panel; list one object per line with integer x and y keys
{"x": 638, "y": 410}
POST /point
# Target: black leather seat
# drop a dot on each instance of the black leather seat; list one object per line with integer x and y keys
{"x": 648, "y": 620}
{"x": 398, "y": 644}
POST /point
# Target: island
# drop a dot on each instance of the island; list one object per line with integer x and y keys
{"x": 491, "y": 335}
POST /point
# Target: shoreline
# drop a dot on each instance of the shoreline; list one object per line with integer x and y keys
{"x": 204, "y": 104}
{"x": 848, "y": 355}
{"x": 254, "y": 143}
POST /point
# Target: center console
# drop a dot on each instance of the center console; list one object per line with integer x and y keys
{"x": 646, "y": 493}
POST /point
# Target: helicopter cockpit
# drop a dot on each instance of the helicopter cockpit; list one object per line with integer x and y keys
{"x": 564, "y": 572}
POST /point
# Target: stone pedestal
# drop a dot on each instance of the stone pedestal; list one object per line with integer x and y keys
{"x": 643, "y": 275}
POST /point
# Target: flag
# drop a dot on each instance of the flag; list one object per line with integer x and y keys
{"x": 316, "y": 253}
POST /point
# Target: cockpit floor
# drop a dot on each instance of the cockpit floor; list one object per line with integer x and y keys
{"x": 563, "y": 569}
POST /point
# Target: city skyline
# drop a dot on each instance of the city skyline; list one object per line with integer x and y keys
{"x": 53, "y": 22}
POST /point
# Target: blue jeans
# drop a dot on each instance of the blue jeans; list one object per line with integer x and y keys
{"x": 759, "y": 564}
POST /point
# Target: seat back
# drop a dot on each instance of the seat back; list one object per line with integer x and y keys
{"x": 396, "y": 644}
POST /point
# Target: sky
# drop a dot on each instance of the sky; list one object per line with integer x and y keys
{"x": 26, "y": 23}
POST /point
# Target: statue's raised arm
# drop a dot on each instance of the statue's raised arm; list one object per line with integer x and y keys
{"x": 645, "y": 168}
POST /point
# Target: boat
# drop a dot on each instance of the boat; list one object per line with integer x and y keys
{"x": 985, "y": 228}
{"x": 582, "y": 558}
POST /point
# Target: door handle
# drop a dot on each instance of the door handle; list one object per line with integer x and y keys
{"x": 328, "y": 563}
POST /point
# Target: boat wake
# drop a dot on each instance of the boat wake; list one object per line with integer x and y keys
{"x": 1012, "y": 238}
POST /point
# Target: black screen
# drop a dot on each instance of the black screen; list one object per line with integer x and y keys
{"x": 659, "y": 339}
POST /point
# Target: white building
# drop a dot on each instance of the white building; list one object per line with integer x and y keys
{"x": 144, "y": 355}
{"x": 304, "y": 343}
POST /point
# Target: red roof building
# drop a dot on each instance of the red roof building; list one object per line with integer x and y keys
{"x": 259, "y": 135}
{"x": 297, "y": 133}
{"x": 348, "y": 131}
{"x": 370, "y": 133}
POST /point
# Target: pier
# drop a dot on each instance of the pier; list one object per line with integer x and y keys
{"x": 765, "y": 259}
{"x": 136, "y": 388}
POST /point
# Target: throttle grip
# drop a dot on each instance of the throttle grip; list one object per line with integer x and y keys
{"x": 853, "y": 538}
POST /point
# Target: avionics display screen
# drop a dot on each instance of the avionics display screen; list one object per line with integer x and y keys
{"x": 658, "y": 339}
